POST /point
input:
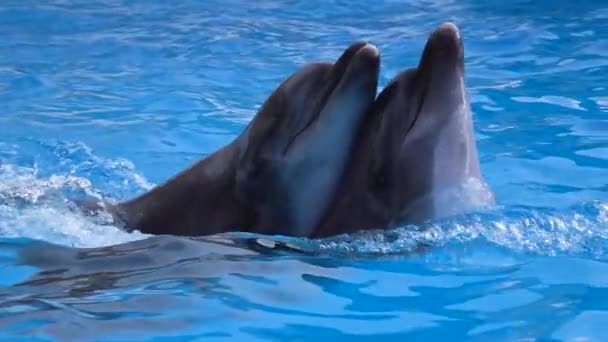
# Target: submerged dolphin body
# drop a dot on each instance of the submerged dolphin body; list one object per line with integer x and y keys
{"x": 416, "y": 157}
{"x": 281, "y": 173}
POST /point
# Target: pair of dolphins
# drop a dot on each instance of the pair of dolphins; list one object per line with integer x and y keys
{"x": 324, "y": 156}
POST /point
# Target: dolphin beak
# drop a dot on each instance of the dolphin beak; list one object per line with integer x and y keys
{"x": 368, "y": 51}
{"x": 353, "y": 86}
{"x": 440, "y": 73}
{"x": 443, "y": 54}
{"x": 360, "y": 74}
{"x": 359, "y": 51}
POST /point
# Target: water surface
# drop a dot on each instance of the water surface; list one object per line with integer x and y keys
{"x": 109, "y": 98}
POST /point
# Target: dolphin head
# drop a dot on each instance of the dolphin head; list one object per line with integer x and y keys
{"x": 424, "y": 161}
{"x": 293, "y": 153}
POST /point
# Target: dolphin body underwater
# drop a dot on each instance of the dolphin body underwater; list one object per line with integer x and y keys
{"x": 279, "y": 175}
{"x": 324, "y": 157}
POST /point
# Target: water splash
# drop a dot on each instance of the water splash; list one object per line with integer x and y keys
{"x": 60, "y": 226}
{"x": 37, "y": 206}
{"x": 581, "y": 230}
{"x": 118, "y": 176}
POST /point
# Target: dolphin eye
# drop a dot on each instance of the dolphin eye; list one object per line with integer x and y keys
{"x": 379, "y": 180}
{"x": 379, "y": 190}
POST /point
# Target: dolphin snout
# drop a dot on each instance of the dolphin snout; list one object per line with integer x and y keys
{"x": 449, "y": 29}
{"x": 369, "y": 50}
{"x": 446, "y": 42}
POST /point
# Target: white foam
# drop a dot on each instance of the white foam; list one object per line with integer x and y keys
{"x": 583, "y": 230}
{"x": 35, "y": 207}
{"x": 60, "y": 226}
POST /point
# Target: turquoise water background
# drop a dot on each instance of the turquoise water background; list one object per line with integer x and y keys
{"x": 111, "y": 97}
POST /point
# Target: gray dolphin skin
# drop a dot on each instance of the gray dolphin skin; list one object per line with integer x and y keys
{"x": 416, "y": 157}
{"x": 281, "y": 173}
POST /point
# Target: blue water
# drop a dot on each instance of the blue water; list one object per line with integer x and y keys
{"x": 110, "y": 97}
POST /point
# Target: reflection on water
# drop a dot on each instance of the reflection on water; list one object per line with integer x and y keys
{"x": 165, "y": 286}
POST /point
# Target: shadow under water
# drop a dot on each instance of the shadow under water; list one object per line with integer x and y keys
{"x": 75, "y": 290}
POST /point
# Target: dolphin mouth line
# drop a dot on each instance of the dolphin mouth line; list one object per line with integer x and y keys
{"x": 313, "y": 117}
{"x": 322, "y": 101}
{"x": 418, "y": 110}
{"x": 424, "y": 70}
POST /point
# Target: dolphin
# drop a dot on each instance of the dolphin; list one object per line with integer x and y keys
{"x": 416, "y": 157}
{"x": 279, "y": 175}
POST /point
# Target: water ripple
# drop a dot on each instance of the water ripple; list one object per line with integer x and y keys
{"x": 108, "y": 98}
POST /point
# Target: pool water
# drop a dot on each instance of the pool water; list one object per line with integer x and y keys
{"x": 111, "y": 97}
